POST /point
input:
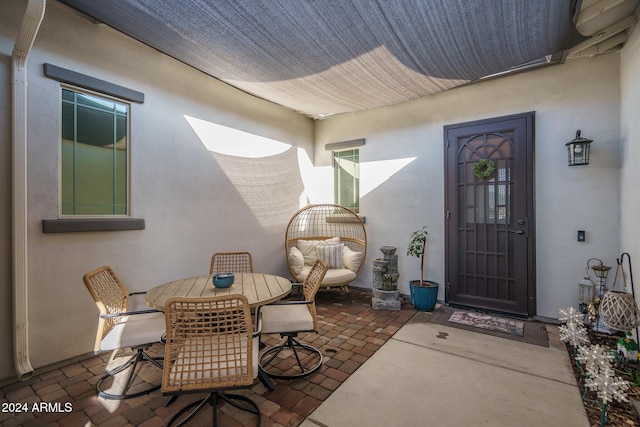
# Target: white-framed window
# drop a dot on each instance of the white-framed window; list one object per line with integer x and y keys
{"x": 346, "y": 179}
{"x": 94, "y": 155}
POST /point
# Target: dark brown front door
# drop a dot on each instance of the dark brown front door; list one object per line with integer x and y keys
{"x": 489, "y": 220}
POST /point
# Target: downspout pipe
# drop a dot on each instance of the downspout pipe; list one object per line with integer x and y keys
{"x": 33, "y": 17}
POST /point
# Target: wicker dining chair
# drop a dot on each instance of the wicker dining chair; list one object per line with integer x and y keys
{"x": 120, "y": 326}
{"x": 234, "y": 262}
{"x": 211, "y": 347}
{"x": 289, "y": 318}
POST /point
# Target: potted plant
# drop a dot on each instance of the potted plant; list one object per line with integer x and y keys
{"x": 424, "y": 293}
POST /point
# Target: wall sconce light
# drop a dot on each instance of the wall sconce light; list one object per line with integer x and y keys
{"x": 578, "y": 150}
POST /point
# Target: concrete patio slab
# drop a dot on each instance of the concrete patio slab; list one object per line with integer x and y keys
{"x": 429, "y": 374}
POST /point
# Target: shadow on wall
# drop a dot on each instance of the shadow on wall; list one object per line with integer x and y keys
{"x": 266, "y": 172}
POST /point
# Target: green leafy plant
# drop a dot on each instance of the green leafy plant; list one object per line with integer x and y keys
{"x": 630, "y": 374}
{"x": 635, "y": 376}
{"x": 417, "y": 246}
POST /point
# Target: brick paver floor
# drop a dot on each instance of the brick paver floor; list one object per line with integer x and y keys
{"x": 349, "y": 334}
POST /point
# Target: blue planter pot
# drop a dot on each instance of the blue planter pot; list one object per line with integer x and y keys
{"x": 424, "y": 298}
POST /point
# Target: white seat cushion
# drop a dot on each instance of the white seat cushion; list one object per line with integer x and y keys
{"x": 135, "y": 330}
{"x": 280, "y": 318}
{"x": 334, "y": 276}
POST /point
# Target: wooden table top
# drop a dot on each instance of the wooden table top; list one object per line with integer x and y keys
{"x": 259, "y": 289}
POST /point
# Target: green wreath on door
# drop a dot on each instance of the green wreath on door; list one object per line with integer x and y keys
{"x": 484, "y": 168}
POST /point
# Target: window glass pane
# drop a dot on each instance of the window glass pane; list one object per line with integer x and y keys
{"x": 67, "y": 95}
{"x": 346, "y": 166}
{"x": 121, "y": 166}
{"x": 94, "y": 155}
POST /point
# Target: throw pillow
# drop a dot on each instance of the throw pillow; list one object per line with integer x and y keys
{"x": 308, "y": 248}
{"x": 332, "y": 255}
{"x": 330, "y": 242}
{"x": 296, "y": 260}
{"x": 351, "y": 259}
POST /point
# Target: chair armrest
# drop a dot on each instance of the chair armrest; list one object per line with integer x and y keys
{"x": 128, "y": 313}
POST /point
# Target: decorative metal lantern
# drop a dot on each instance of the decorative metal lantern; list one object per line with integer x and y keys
{"x": 601, "y": 271}
{"x": 586, "y": 289}
{"x": 578, "y": 150}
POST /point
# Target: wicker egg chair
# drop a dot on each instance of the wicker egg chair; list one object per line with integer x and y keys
{"x": 315, "y": 229}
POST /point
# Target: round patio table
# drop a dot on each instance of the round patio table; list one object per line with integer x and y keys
{"x": 259, "y": 289}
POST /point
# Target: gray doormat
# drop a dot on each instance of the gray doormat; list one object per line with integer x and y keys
{"x": 534, "y": 332}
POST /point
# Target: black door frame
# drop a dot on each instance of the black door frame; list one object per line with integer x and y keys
{"x": 451, "y": 195}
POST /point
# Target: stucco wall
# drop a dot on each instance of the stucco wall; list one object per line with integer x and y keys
{"x": 192, "y": 203}
{"x": 630, "y": 154}
{"x": 579, "y": 95}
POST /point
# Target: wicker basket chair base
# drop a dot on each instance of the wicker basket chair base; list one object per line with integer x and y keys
{"x": 133, "y": 365}
{"x": 304, "y": 354}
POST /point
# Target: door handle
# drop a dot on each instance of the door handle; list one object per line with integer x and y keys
{"x": 516, "y": 231}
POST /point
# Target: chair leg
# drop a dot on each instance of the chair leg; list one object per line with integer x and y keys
{"x": 199, "y": 405}
{"x": 248, "y": 405}
{"x": 346, "y": 291}
{"x": 169, "y": 400}
{"x": 131, "y": 364}
{"x": 270, "y": 355}
{"x": 265, "y": 379}
{"x": 233, "y": 399}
